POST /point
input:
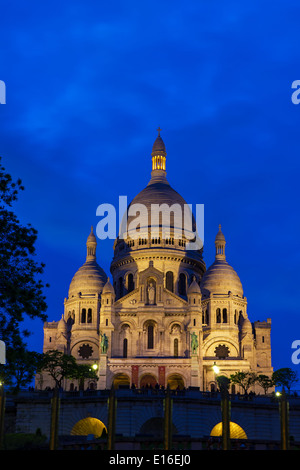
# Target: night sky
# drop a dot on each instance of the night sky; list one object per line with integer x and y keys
{"x": 88, "y": 84}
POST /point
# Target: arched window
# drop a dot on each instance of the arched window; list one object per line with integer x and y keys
{"x": 182, "y": 284}
{"x": 83, "y": 315}
{"x": 218, "y": 315}
{"x": 89, "y": 316}
{"x": 170, "y": 281}
{"x": 224, "y": 315}
{"x": 125, "y": 347}
{"x": 206, "y": 317}
{"x": 130, "y": 282}
{"x": 150, "y": 337}
{"x": 176, "y": 347}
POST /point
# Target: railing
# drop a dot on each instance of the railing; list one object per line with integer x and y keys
{"x": 190, "y": 393}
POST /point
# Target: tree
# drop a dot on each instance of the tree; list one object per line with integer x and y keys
{"x": 62, "y": 366}
{"x": 223, "y": 383}
{"x": 21, "y": 367}
{"x": 21, "y": 290}
{"x": 58, "y": 365}
{"x": 265, "y": 382}
{"x": 82, "y": 372}
{"x": 285, "y": 377}
{"x": 244, "y": 379}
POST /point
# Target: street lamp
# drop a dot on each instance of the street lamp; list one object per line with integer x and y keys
{"x": 215, "y": 368}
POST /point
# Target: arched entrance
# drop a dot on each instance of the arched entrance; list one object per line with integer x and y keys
{"x": 121, "y": 379}
{"x": 175, "y": 382}
{"x": 154, "y": 427}
{"x": 148, "y": 381}
{"x": 236, "y": 431}
{"x": 87, "y": 426}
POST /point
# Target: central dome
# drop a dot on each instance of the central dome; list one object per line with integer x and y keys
{"x": 158, "y": 210}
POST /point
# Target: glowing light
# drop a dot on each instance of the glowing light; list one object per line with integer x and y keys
{"x": 236, "y": 432}
{"x": 87, "y": 426}
{"x": 215, "y": 368}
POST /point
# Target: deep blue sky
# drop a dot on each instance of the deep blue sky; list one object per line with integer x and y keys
{"x": 87, "y": 85}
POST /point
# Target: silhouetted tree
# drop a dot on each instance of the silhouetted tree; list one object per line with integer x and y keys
{"x": 62, "y": 366}
{"x": 265, "y": 382}
{"x": 244, "y": 379}
{"x": 285, "y": 377}
{"x": 21, "y": 290}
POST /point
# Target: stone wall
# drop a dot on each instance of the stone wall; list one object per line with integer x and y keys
{"x": 195, "y": 413}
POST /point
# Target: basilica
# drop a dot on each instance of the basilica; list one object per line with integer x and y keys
{"x": 161, "y": 318}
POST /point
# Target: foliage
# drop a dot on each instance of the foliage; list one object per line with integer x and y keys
{"x": 244, "y": 380}
{"x": 58, "y": 365}
{"x": 285, "y": 377}
{"x": 83, "y": 371}
{"x": 21, "y": 290}
{"x": 62, "y": 366}
{"x": 223, "y": 382}
{"x": 22, "y": 441}
{"x": 21, "y": 367}
{"x": 265, "y": 382}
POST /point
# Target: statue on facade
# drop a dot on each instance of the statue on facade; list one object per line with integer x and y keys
{"x": 151, "y": 294}
{"x": 104, "y": 343}
{"x": 194, "y": 343}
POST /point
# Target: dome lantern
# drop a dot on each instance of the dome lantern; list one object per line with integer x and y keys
{"x": 220, "y": 243}
{"x": 159, "y": 156}
{"x": 91, "y": 245}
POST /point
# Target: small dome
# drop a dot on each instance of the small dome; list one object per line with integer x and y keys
{"x": 220, "y": 235}
{"x": 159, "y": 145}
{"x": 108, "y": 288}
{"x": 246, "y": 326}
{"x": 194, "y": 287}
{"x": 221, "y": 278}
{"x": 90, "y": 278}
{"x": 91, "y": 238}
{"x": 62, "y": 326}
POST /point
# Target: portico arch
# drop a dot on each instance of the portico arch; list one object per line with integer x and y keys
{"x": 121, "y": 379}
{"x": 148, "y": 380}
{"x": 175, "y": 382}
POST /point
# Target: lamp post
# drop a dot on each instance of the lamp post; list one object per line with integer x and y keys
{"x": 225, "y": 408}
{"x": 112, "y": 410}
{"x": 168, "y": 404}
{"x": 55, "y": 408}
{"x": 284, "y": 420}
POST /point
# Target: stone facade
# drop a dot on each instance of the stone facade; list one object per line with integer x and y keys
{"x": 163, "y": 318}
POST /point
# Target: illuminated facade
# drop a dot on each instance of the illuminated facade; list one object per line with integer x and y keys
{"x": 161, "y": 318}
